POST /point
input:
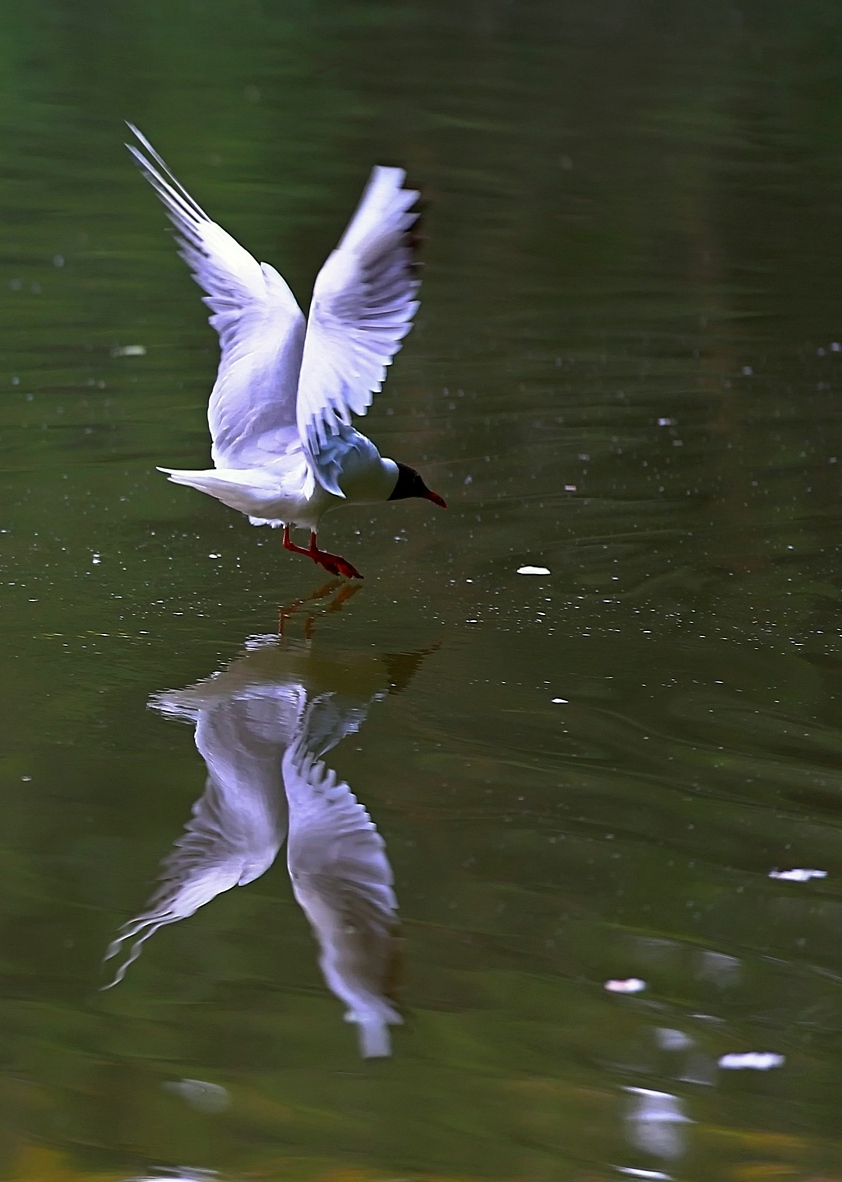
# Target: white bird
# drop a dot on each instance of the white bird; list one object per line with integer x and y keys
{"x": 283, "y": 448}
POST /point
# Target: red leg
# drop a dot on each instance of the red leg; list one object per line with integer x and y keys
{"x": 331, "y": 562}
{"x": 290, "y": 545}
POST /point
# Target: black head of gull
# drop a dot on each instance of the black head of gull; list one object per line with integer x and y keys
{"x": 411, "y": 484}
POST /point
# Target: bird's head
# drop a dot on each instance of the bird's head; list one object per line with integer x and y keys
{"x": 410, "y": 484}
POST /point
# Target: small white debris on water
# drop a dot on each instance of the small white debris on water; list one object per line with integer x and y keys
{"x": 182, "y": 1174}
{"x": 835, "y": 347}
{"x": 672, "y": 1040}
{"x": 633, "y": 1173}
{"x": 752, "y": 1060}
{"x": 58, "y": 260}
{"x": 96, "y": 559}
{"x": 747, "y": 371}
{"x": 129, "y": 351}
{"x": 560, "y": 701}
{"x": 570, "y": 488}
{"x": 666, "y": 422}
{"x": 797, "y": 874}
{"x": 214, "y": 556}
{"x": 533, "y": 570}
{"x": 629, "y": 985}
{"x": 199, "y": 1094}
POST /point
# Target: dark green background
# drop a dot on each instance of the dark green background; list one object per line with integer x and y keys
{"x": 633, "y": 286}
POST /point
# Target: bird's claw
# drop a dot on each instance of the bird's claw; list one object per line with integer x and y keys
{"x": 331, "y": 562}
{"x": 335, "y": 565}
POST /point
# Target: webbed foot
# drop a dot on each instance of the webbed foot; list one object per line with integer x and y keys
{"x": 334, "y": 563}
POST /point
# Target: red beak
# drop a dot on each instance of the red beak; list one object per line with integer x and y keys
{"x": 436, "y": 499}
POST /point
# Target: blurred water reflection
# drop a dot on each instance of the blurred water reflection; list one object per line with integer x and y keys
{"x": 262, "y": 727}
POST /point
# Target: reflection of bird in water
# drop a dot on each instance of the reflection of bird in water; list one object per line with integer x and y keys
{"x": 263, "y": 726}
{"x": 284, "y": 450}
{"x": 343, "y": 881}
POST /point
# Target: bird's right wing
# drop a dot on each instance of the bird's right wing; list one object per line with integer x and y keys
{"x": 362, "y": 308}
{"x": 261, "y": 328}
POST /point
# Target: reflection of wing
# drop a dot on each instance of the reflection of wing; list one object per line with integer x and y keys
{"x": 262, "y": 726}
{"x": 343, "y": 881}
{"x": 238, "y": 824}
{"x": 362, "y": 309}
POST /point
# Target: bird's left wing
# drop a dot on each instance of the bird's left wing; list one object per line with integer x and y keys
{"x": 251, "y": 413}
{"x": 362, "y": 308}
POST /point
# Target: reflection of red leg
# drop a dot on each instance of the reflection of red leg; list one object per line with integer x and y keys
{"x": 331, "y": 562}
{"x": 341, "y": 593}
{"x": 289, "y": 609}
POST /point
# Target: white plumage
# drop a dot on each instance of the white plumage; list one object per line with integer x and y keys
{"x": 283, "y": 448}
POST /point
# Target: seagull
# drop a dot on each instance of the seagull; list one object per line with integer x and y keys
{"x": 283, "y": 448}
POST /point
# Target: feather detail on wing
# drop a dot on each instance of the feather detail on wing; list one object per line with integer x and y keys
{"x": 261, "y": 328}
{"x": 239, "y": 823}
{"x": 362, "y": 308}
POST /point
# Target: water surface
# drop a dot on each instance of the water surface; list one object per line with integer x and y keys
{"x": 626, "y": 370}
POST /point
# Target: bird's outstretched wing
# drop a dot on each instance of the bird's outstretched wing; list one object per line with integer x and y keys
{"x": 362, "y": 308}
{"x": 252, "y": 412}
{"x": 343, "y": 881}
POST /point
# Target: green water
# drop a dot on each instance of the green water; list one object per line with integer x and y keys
{"x": 625, "y": 370}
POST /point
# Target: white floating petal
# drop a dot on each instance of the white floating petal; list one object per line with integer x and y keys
{"x": 629, "y": 985}
{"x": 752, "y": 1060}
{"x": 633, "y": 1173}
{"x": 533, "y": 570}
{"x": 797, "y": 874}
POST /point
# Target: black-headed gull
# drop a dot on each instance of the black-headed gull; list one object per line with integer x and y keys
{"x": 263, "y": 726}
{"x": 283, "y": 448}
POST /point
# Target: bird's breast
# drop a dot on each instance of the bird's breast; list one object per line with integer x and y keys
{"x": 362, "y": 473}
